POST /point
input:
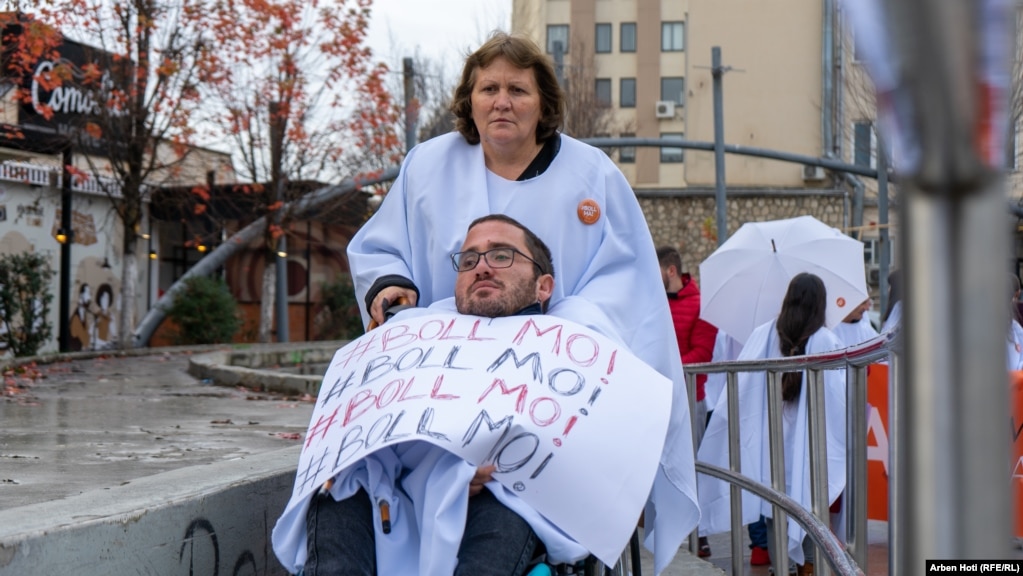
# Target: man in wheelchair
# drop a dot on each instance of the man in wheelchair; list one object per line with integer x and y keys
{"x": 503, "y": 270}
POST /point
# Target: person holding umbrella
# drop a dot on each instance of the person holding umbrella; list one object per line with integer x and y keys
{"x": 798, "y": 330}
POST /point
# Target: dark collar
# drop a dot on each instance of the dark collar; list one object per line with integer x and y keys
{"x": 543, "y": 158}
{"x": 531, "y": 309}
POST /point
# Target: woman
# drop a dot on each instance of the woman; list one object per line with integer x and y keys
{"x": 798, "y": 330}
{"x": 893, "y": 315}
{"x": 508, "y": 157}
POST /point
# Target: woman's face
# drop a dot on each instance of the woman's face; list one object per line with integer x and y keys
{"x": 505, "y": 105}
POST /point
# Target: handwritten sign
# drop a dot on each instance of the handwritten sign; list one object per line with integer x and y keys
{"x": 573, "y": 422}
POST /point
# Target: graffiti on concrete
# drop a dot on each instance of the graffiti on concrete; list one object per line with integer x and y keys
{"x": 207, "y": 561}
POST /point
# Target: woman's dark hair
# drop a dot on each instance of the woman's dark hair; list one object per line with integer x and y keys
{"x": 522, "y": 53}
{"x": 1014, "y": 288}
{"x": 802, "y": 314}
{"x": 894, "y": 291}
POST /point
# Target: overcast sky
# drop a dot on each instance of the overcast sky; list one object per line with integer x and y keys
{"x": 440, "y": 29}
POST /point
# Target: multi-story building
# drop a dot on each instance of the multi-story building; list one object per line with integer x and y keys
{"x": 791, "y": 83}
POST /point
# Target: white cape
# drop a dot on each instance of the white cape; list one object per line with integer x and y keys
{"x": 611, "y": 265}
{"x": 853, "y": 333}
{"x": 753, "y": 443}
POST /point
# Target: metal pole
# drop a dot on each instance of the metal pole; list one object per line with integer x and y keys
{"x": 818, "y": 448}
{"x": 559, "y": 63}
{"x": 954, "y": 252}
{"x": 64, "y": 336}
{"x": 855, "y": 495}
{"x": 411, "y": 110}
{"x": 282, "y": 289}
{"x": 882, "y": 216}
{"x": 719, "y": 146}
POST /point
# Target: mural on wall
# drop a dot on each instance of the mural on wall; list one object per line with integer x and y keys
{"x": 82, "y": 225}
{"x": 96, "y": 293}
{"x": 325, "y": 261}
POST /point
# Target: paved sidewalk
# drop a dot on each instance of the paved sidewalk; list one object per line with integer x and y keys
{"x": 100, "y": 422}
{"x": 93, "y": 423}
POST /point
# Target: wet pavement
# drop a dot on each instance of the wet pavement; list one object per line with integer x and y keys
{"x": 74, "y": 426}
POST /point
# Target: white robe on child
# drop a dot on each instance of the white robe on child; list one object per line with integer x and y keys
{"x": 754, "y": 447}
{"x": 853, "y": 333}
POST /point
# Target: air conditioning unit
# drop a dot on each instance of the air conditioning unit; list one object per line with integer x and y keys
{"x": 873, "y": 275}
{"x": 813, "y": 173}
{"x": 665, "y": 109}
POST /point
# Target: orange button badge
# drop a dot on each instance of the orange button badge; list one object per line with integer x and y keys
{"x": 840, "y": 302}
{"x": 588, "y": 211}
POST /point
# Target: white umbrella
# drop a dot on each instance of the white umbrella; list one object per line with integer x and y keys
{"x": 743, "y": 282}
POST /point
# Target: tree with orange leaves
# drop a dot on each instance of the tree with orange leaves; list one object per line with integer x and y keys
{"x": 301, "y": 88}
{"x": 139, "y": 86}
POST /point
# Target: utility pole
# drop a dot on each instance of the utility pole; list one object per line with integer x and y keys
{"x": 278, "y": 125}
{"x": 66, "y": 236}
{"x": 411, "y": 109}
{"x": 720, "y": 197}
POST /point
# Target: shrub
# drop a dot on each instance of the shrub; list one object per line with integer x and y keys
{"x": 205, "y": 312}
{"x": 340, "y": 317}
{"x": 25, "y": 298}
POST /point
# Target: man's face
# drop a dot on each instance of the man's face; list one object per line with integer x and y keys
{"x": 857, "y": 313}
{"x": 494, "y": 292}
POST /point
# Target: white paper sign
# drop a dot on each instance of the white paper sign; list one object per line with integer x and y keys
{"x": 574, "y": 423}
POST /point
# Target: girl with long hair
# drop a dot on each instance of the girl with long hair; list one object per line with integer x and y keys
{"x": 799, "y": 330}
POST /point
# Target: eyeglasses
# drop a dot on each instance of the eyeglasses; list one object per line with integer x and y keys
{"x": 496, "y": 258}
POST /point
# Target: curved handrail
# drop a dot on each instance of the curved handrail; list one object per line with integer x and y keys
{"x": 839, "y": 560}
{"x": 869, "y": 352}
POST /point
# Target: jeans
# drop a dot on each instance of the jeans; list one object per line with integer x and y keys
{"x": 758, "y": 533}
{"x": 496, "y": 541}
{"x": 341, "y": 537}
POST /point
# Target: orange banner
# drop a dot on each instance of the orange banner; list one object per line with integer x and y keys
{"x": 877, "y": 442}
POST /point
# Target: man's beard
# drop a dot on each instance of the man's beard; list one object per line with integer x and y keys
{"x": 497, "y": 305}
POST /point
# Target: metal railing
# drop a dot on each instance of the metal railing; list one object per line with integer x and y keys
{"x": 843, "y": 558}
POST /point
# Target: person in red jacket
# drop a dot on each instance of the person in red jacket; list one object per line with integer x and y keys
{"x": 695, "y": 336}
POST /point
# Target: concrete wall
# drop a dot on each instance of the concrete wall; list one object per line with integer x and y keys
{"x": 202, "y": 520}
{"x": 687, "y": 221}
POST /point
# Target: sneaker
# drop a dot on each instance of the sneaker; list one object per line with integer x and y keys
{"x": 704, "y": 548}
{"x": 759, "y": 557}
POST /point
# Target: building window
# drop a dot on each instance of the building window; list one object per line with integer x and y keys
{"x": 628, "y": 37}
{"x": 674, "y": 90}
{"x": 871, "y": 252}
{"x": 627, "y": 154}
{"x": 603, "y": 38}
{"x": 557, "y": 33}
{"x": 863, "y": 144}
{"x": 603, "y": 87}
{"x": 671, "y": 155}
{"x": 627, "y": 92}
{"x": 672, "y": 36}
